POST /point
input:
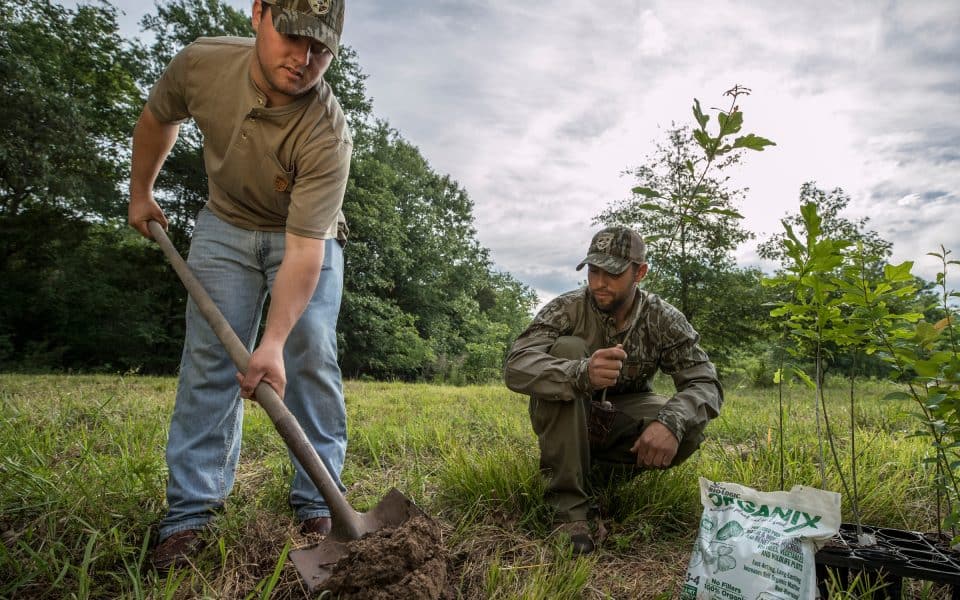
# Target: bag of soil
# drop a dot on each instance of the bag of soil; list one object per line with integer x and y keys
{"x": 759, "y": 545}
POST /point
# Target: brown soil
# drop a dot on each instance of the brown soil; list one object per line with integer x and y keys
{"x": 408, "y": 561}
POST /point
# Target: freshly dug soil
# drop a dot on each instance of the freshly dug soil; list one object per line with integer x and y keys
{"x": 408, "y": 561}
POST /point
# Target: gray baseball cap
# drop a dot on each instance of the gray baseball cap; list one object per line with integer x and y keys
{"x": 321, "y": 20}
{"x": 614, "y": 248}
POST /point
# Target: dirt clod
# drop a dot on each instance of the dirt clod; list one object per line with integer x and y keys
{"x": 408, "y": 561}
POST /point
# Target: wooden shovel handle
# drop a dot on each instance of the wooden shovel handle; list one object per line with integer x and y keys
{"x": 347, "y": 519}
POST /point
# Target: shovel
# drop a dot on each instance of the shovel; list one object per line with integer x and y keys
{"x": 314, "y": 563}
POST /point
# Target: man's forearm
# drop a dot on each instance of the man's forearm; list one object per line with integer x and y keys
{"x": 698, "y": 399}
{"x": 152, "y": 142}
{"x": 293, "y": 287}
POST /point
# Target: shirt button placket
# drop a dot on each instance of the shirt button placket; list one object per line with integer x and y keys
{"x": 251, "y": 119}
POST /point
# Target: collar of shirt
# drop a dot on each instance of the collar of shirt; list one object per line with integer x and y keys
{"x": 609, "y": 323}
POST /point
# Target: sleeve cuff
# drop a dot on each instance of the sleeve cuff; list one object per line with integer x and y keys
{"x": 673, "y": 422}
{"x": 581, "y": 381}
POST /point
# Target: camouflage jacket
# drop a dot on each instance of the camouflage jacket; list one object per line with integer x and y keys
{"x": 657, "y": 336}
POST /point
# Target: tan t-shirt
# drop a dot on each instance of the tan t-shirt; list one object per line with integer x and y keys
{"x": 268, "y": 169}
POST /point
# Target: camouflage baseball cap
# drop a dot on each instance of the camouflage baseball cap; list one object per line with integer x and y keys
{"x": 614, "y": 248}
{"x": 321, "y": 20}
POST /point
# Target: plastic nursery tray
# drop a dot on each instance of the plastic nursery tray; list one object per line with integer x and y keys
{"x": 898, "y": 553}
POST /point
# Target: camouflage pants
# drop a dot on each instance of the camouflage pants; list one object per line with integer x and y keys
{"x": 574, "y": 435}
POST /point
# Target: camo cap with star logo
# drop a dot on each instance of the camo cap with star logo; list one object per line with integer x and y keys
{"x": 321, "y": 20}
{"x": 614, "y": 248}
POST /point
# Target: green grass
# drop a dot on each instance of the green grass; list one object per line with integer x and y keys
{"x": 82, "y": 488}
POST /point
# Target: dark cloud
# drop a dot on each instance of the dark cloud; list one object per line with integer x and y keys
{"x": 949, "y": 88}
{"x": 924, "y": 30}
{"x": 552, "y": 282}
{"x": 928, "y": 152}
{"x": 898, "y": 193}
{"x": 821, "y": 69}
{"x": 588, "y": 125}
{"x": 935, "y": 195}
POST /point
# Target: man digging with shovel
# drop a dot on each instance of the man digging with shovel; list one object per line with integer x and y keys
{"x": 587, "y": 362}
{"x": 277, "y": 155}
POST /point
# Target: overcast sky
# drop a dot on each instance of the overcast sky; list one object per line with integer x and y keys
{"x": 537, "y": 107}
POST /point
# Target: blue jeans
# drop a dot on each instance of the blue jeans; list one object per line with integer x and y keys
{"x": 237, "y": 268}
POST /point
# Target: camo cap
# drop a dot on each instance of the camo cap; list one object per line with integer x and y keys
{"x": 321, "y": 20}
{"x": 614, "y": 248}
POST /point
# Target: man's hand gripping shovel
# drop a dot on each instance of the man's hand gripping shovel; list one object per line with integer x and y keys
{"x": 315, "y": 563}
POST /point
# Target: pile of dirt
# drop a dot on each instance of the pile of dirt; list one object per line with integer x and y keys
{"x": 408, "y": 561}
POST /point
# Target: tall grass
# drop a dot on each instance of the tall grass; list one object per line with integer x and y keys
{"x": 82, "y": 488}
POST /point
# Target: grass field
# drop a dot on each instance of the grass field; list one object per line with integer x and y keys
{"x": 82, "y": 488}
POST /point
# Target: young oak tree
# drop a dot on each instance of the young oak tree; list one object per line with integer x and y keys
{"x": 859, "y": 244}
{"x": 687, "y": 213}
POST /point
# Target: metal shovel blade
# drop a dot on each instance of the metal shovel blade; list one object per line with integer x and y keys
{"x": 315, "y": 563}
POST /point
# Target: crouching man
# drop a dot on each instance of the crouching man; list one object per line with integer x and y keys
{"x": 587, "y": 361}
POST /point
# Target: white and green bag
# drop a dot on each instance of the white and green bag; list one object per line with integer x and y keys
{"x": 759, "y": 545}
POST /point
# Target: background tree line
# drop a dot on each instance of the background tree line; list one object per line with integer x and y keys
{"x": 422, "y": 300}
{"x": 82, "y": 291}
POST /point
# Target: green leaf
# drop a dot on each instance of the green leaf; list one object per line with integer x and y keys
{"x": 804, "y": 378}
{"x": 724, "y": 149}
{"x": 789, "y": 231}
{"x": 704, "y": 141}
{"x": 724, "y": 211}
{"x": 698, "y": 114}
{"x": 812, "y": 220}
{"x": 779, "y": 312}
{"x": 730, "y": 123}
{"x": 925, "y": 334}
{"x": 951, "y": 520}
{"x": 896, "y": 273}
{"x": 645, "y": 191}
{"x": 652, "y": 207}
{"x": 927, "y": 368}
{"x": 942, "y": 357}
{"x": 752, "y": 142}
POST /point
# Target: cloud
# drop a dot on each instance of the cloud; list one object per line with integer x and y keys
{"x": 918, "y": 222}
{"x": 654, "y": 40}
{"x": 910, "y": 200}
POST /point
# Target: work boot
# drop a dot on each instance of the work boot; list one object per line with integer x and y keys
{"x": 578, "y": 532}
{"x": 177, "y": 550}
{"x": 316, "y": 526}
